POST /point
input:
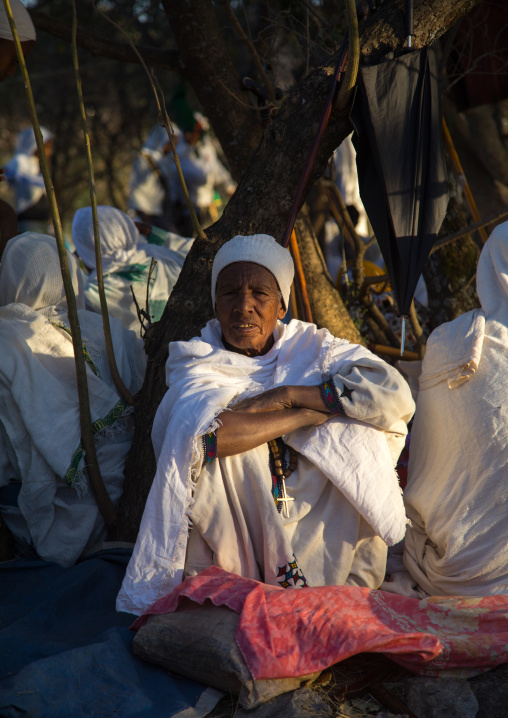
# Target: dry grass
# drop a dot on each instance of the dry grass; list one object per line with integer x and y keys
{"x": 346, "y": 689}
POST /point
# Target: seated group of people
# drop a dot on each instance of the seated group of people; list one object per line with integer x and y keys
{"x": 45, "y": 496}
{"x": 276, "y": 443}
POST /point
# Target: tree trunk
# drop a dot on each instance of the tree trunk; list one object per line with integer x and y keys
{"x": 206, "y": 63}
{"x": 328, "y": 310}
{"x": 262, "y": 203}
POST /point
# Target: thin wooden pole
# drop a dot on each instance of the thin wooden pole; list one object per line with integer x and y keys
{"x": 104, "y": 502}
{"x": 293, "y": 308}
{"x": 300, "y": 278}
{"x": 457, "y": 167}
{"x": 115, "y": 374}
{"x": 166, "y": 122}
{"x": 351, "y": 47}
{"x": 393, "y": 352}
{"x": 339, "y": 69}
{"x": 444, "y": 241}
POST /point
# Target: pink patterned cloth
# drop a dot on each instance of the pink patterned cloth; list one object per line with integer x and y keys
{"x": 285, "y": 633}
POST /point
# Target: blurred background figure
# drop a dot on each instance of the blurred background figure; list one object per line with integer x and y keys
{"x": 8, "y": 66}
{"x": 23, "y": 173}
{"x": 149, "y": 199}
{"x": 208, "y": 181}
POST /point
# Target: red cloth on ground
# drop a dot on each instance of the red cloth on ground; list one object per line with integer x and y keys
{"x": 285, "y": 633}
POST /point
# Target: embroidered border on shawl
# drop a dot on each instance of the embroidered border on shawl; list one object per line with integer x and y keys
{"x": 331, "y": 397}
{"x": 98, "y": 425}
{"x": 134, "y": 272}
{"x": 291, "y": 576}
{"x": 209, "y": 446}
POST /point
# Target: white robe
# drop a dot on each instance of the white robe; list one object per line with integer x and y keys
{"x": 40, "y": 433}
{"x": 40, "y": 430}
{"x": 352, "y": 452}
{"x": 126, "y": 261}
{"x": 457, "y": 491}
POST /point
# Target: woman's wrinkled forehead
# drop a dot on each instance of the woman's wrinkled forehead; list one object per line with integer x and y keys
{"x": 238, "y": 272}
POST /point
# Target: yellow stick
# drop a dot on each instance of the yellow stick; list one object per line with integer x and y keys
{"x": 166, "y": 122}
{"x": 101, "y": 495}
{"x": 117, "y": 379}
{"x": 462, "y": 179}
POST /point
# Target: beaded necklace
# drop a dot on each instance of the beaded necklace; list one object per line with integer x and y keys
{"x": 277, "y": 449}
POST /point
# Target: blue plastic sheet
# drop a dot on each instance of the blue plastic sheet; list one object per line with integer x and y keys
{"x": 65, "y": 651}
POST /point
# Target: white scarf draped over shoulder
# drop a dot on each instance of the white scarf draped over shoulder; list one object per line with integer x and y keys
{"x": 204, "y": 378}
{"x": 127, "y": 261}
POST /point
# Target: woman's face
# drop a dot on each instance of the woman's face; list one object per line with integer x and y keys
{"x": 247, "y": 306}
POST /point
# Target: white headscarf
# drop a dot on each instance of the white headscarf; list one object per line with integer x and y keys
{"x": 260, "y": 249}
{"x": 25, "y": 141}
{"x": 121, "y": 245}
{"x": 158, "y": 138}
{"x": 118, "y": 233}
{"x": 30, "y": 274}
{"x": 492, "y": 275}
{"x": 22, "y": 20}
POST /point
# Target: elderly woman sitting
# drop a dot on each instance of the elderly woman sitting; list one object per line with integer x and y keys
{"x": 276, "y": 442}
{"x": 45, "y": 496}
{"x": 127, "y": 261}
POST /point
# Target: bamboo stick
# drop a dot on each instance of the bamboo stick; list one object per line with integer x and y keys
{"x": 293, "y": 308}
{"x": 115, "y": 374}
{"x": 462, "y": 180}
{"x": 444, "y": 241}
{"x": 300, "y": 278}
{"x": 166, "y": 122}
{"x": 393, "y": 352}
{"x": 101, "y": 496}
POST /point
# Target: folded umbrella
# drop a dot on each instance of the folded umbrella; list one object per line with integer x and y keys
{"x": 401, "y": 163}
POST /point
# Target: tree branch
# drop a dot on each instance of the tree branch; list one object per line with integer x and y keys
{"x": 154, "y": 57}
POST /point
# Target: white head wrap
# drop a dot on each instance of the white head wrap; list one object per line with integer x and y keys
{"x": 22, "y": 20}
{"x": 260, "y": 249}
{"x": 158, "y": 138}
{"x": 30, "y": 274}
{"x": 118, "y": 233}
{"x": 25, "y": 141}
{"x": 492, "y": 275}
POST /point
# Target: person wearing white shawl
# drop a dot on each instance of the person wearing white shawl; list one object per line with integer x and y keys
{"x": 248, "y": 380}
{"x": 23, "y": 172}
{"x": 457, "y": 491}
{"x": 46, "y": 499}
{"x": 126, "y": 262}
{"x": 8, "y": 67}
{"x": 150, "y": 177}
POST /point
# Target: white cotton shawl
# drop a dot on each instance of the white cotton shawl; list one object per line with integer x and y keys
{"x": 204, "y": 378}
{"x": 126, "y": 261}
{"x": 39, "y": 405}
{"x": 456, "y": 496}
